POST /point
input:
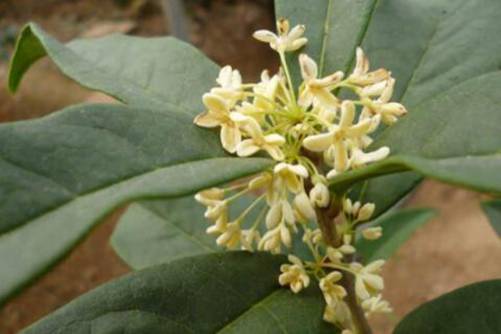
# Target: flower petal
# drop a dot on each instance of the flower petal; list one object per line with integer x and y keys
{"x": 246, "y": 148}
{"x": 230, "y": 137}
{"x": 207, "y": 120}
{"x": 318, "y": 143}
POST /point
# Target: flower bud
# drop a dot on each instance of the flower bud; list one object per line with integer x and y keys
{"x": 372, "y": 233}
{"x": 366, "y": 212}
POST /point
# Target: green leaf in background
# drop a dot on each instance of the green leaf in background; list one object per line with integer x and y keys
{"x": 493, "y": 211}
{"x": 234, "y": 292}
{"x": 147, "y": 72}
{"x": 397, "y": 227}
{"x": 431, "y": 47}
{"x": 159, "y": 231}
{"x": 468, "y": 310}
{"x": 61, "y": 174}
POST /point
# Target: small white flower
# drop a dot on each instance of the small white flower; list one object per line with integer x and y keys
{"x": 271, "y": 241}
{"x": 361, "y": 75}
{"x": 287, "y": 40}
{"x": 230, "y": 82}
{"x": 312, "y": 236}
{"x": 389, "y": 111}
{"x": 219, "y": 114}
{"x": 266, "y": 90}
{"x": 359, "y": 158}
{"x": 303, "y": 207}
{"x": 333, "y": 293}
{"x": 230, "y": 238}
{"x": 270, "y": 143}
{"x": 291, "y": 176}
{"x": 334, "y": 254}
{"x": 365, "y": 212}
{"x": 294, "y": 275}
{"x": 339, "y": 135}
{"x": 280, "y": 211}
{"x": 368, "y": 282}
{"x": 317, "y": 91}
{"x": 249, "y": 238}
{"x": 376, "y": 305}
{"x": 337, "y": 314}
{"x": 319, "y": 195}
{"x": 219, "y": 225}
{"x": 261, "y": 181}
{"x": 210, "y": 196}
{"x": 372, "y": 233}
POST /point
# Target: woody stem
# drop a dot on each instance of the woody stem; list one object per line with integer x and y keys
{"x": 327, "y": 225}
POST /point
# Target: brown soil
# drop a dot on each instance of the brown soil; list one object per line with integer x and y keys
{"x": 457, "y": 248}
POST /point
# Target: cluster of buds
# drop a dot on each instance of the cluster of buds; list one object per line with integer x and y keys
{"x": 313, "y": 135}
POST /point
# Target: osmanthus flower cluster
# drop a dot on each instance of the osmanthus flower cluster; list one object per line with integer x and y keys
{"x": 313, "y": 135}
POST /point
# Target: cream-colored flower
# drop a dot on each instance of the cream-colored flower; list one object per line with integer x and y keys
{"x": 357, "y": 211}
{"x": 372, "y": 233}
{"x": 275, "y": 237}
{"x": 211, "y": 196}
{"x": 230, "y": 238}
{"x": 389, "y": 111}
{"x": 287, "y": 39}
{"x": 303, "y": 207}
{"x": 271, "y": 241}
{"x": 359, "y": 158}
{"x": 368, "y": 282}
{"x": 219, "y": 114}
{"x": 312, "y": 236}
{"x": 270, "y": 143}
{"x": 280, "y": 211}
{"x": 230, "y": 82}
{"x": 319, "y": 195}
{"x": 339, "y": 135}
{"x": 294, "y": 275}
{"x": 213, "y": 199}
{"x": 376, "y": 305}
{"x": 338, "y": 314}
{"x": 263, "y": 180}
{"x": 266, "y": 91}
{"x": 334, "y": 254}
{"x": 249, "y": 238}
{"x": 333, "y": 293}
{"x": 317, "y": 91}
{"x": 366, "y": 212}
{"x": 219, "y": 226}
{"x": 361, "y": 75}
{"x": 291, "y": 176}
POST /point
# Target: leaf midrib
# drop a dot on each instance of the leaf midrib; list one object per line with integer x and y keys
{"x": 107, "y": 186}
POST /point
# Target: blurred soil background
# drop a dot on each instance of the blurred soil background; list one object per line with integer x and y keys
{"x": 456, "y": 248}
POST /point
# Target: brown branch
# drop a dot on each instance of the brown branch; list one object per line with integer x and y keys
{"x": 357, "y": 314}
{"x": 326, "y": 221}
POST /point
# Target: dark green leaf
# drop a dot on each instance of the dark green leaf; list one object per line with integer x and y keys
{"x": 61, "y": 174}
{"x": 493, "y": 211}
{"x": 471, "y": 309}
{"x": 148, "y": 72}
{"x": 397, "y": 228}
{"x": 234, "y": 292}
